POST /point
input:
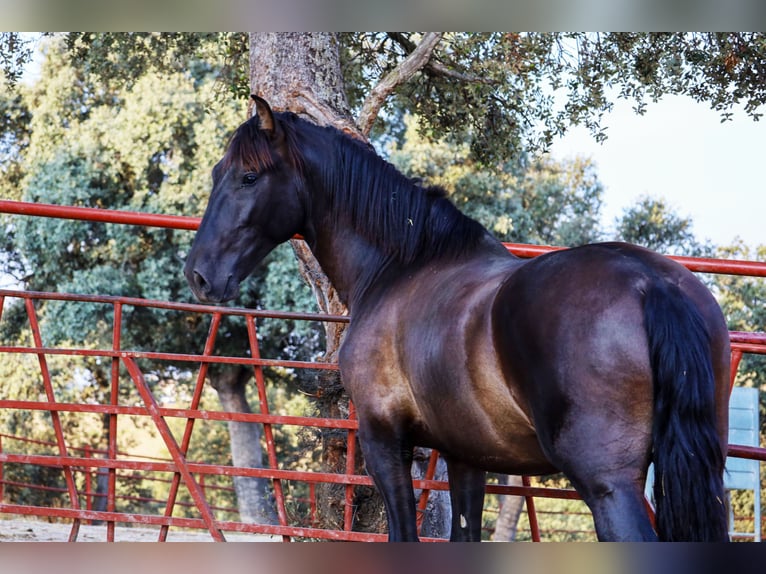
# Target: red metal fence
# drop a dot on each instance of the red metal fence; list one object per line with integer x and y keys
{"x": 191, "y": 476}
{"x": 89, "y": 491}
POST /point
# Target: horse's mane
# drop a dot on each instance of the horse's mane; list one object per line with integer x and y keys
{"x": 393, "y": 212}
{"x": 405, "y": 220}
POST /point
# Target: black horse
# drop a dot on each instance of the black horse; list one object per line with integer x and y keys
{"x": 593, "y": 361}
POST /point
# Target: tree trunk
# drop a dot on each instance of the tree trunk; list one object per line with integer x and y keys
{"x": 510, "y": 511}
{"x": 301, "y": 73}
{"x": 254, "y": 498}
{"x": 102, "y": 489}
{"x": 437, "y": 519}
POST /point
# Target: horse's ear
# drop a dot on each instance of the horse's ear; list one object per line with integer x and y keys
{"x": 260, "y": 107}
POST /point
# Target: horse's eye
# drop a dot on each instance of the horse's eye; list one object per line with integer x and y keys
{"x": 249, "y": 179}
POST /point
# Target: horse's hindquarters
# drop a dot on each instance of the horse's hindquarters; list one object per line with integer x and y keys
{"x": 578, "y": 333}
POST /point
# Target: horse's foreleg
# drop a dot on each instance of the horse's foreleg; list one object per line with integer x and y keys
{"x": 467, "y": 497}
{"x": 389, "y": 461}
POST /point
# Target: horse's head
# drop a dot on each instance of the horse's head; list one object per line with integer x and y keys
{"x": 256, "y": 203}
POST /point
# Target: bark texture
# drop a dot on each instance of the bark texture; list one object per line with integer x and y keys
{"x": 510, "y": 511}
{"x": 300, "y": 73}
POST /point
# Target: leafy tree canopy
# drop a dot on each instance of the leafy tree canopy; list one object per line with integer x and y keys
{"x": 541, "y": 201}
{"x": 147, "y": 144}
{"x": 653, "y": 223}
{"x": 500, "y": 88}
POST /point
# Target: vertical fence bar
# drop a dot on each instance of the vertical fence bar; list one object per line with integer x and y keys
{"x": 260, "y": 383}
{"x": 534, "y": 527}
{"x": 2, "y": 476}
{"x": 202, "y": 485}
{"x": 87, "y": 475}
{"x": 114, "y": 399}
{"x": 57, "y": 428}
{"x": 186, "y": 439}
{"x": 651, "y": 512}
{"x": 736, "y": 358}
{"x": 348, "y": 508}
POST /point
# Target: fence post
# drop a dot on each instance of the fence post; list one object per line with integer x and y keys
{"x": 2, "y": 477}
{"x": 88, "y": 485}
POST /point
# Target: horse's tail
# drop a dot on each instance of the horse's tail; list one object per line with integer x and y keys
{"x": 687, "y": 456}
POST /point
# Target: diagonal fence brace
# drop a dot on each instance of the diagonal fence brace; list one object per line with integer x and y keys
{"x": 57, "y": 427}
{"x": 175, "y": 451}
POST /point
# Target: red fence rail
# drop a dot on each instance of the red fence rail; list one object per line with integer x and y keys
{"x": 89, "y": 494}
{"x": 126, "y": 370}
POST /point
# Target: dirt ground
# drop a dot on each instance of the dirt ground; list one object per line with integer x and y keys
{"x": 30, "y": 530}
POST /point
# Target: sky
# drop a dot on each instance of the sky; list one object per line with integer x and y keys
{"x": 711, "y": 172}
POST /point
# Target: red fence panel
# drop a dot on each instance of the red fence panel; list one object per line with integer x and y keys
{"x": 192, "y": 477}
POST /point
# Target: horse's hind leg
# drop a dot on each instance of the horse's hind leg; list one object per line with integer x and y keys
{"x": 467, "y": 497}
{"x": 619, "y": 510}
{"x": 608, "y": 469}
{"x": 604, "y": 450}
{"x": 389, "y": 461}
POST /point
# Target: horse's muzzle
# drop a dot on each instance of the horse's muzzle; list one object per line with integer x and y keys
{"x": 206, "y": 291}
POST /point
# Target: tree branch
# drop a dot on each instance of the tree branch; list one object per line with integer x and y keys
{"x": 402, "y": 73}
{"x": 437, "y": 68}
{"x": 304, "y": 103}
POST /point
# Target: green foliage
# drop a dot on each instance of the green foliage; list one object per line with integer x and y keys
{"x": 120, "y": 58}
{"x": 652, "y": 223}
{"x": 144, "y": 142}
{"x": 15, "y": 119}
{"x": 15, "y": 53}
{"x": 147, "y": 145}
{"x": 742, "y": 297}
{"x": 283, "y": 288}
{"x": 499, "y": 89}
{"x": 134, "y": 149}
{"x": 540, "y": 201}
{"x": 21, "y": 377}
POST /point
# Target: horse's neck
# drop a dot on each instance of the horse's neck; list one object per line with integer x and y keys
{"x": 348, "y": 260}
{"x": 346, "y": 254}
{"x": 356, "y": 244}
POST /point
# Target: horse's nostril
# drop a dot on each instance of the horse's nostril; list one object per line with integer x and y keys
{"x": 200, "y": 282}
